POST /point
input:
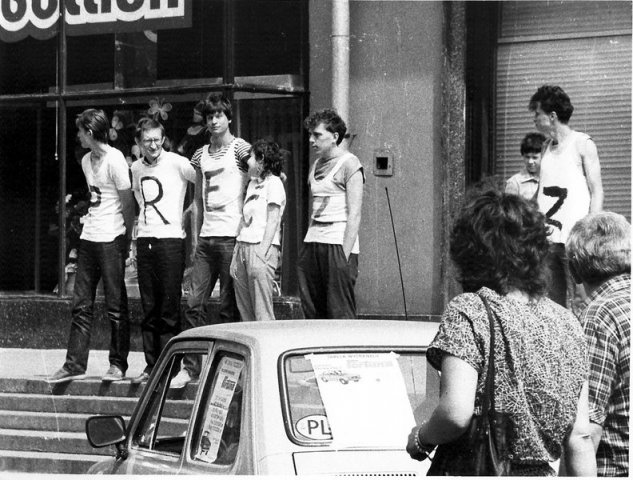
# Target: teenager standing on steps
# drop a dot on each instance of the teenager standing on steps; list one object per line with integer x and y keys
{"x": 221, "y": 177}
{"x": 159, "y": 182}
{"x": 105, "y": 242}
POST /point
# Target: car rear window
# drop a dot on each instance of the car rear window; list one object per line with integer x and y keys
{"x": 357, "y": 399}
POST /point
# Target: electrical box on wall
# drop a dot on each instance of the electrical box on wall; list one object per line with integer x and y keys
{"x": 383, "y": 162}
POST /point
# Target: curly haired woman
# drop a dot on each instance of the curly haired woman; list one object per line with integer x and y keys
{"x": 498, "y": 244}
{"x": 257, "y": 251}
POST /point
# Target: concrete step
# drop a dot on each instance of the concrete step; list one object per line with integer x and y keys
{"x": 49, "y": 442}
{"x": 43, "y": 462}
{"x": 90, "y": 386}
{"x": 60, "y": 422}
{"x": 67, "y": 404}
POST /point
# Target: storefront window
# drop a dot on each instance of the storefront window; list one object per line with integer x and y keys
{"x": 28, "y": 66}
{"x": 160, "y": 67}
{"x": 29, "y": 193}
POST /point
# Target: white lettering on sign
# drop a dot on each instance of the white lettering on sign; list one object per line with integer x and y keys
{"x": 19, "y": 18}
{"x": 314, "y": 427}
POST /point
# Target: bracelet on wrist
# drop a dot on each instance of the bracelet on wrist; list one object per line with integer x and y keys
{"x": 423, "y": 448}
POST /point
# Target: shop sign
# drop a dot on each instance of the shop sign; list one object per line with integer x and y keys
{"x": 38, "y": 18}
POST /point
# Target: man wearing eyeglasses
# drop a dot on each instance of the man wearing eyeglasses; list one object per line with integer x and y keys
{"x": 159, "y": 182}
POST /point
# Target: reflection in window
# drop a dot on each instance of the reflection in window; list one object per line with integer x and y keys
{"x": 163, "y": 427}
{"x": 218, "y": 437}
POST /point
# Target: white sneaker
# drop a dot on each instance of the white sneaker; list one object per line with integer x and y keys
{"x": 180, "y": 380}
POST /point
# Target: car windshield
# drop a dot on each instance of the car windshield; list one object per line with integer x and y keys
{"x": 357, "y": 399}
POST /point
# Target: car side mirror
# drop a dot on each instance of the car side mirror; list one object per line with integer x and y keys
{"x": 105, "y": 430}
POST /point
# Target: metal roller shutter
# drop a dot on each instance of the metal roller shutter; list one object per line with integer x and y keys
{"x": 585, "y": 47}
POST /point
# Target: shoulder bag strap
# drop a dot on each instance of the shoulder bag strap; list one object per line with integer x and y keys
{"x": 488, "y": 402}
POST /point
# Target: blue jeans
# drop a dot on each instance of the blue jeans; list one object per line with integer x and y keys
{"x": 160, "y": 263}
{"x": 212, "y": 262}
{"x": 105, "y": 261}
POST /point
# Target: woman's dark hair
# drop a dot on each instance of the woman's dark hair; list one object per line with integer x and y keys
{"x": 269, "y": 153}
{"x": 499, "y": 241}
{"x": 95, "y": 121}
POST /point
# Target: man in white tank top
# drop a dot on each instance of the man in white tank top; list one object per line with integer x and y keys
{"x": 105, "y": 243}
{"x": 221, "y": 178}
{"x": 570, "y": 182}
{"x": 328, "y": 263}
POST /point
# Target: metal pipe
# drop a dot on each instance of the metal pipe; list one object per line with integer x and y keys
{"x": 62, "y": 76}
{"x": 340, "y": 58}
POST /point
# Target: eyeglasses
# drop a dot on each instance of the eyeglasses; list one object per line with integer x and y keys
{"x": 158, "y": 141}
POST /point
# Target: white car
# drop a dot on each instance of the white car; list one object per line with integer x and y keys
{"x": 261, "y": 405}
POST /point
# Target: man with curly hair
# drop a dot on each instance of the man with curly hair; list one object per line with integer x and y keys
{"x": 570, "y": 182}
{"x": 328, "y": 264}
{"x": 599, "y": 249}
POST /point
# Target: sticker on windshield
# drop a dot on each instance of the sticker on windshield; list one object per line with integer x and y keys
{"x": 314, "y": 427}
{"x": 365, "y": 399}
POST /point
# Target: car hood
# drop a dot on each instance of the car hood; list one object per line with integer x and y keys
{"x": 358, "y": 462}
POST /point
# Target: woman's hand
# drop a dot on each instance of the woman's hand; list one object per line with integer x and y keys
{"x": 416, "y": 449}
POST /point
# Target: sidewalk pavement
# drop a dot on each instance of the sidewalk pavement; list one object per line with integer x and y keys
{"x": 31, "y": 363}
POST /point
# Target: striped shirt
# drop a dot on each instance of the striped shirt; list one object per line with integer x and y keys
{"x": 607, "y": 324}
{"x": 242, "y": 152}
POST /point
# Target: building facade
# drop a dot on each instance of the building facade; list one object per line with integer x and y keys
{"x": 438, "y": 95}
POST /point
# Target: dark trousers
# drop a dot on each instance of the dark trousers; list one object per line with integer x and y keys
{"x": 160, "y": 263}
{"x": 212, "y": 261}
{"x": 105, "y": 261}
{"x": 556, "y": 261}
{"x": 326, "y": 281}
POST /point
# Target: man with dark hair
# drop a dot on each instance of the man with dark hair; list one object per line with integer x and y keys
{"x": 570, "y": 181}
{"x": 525, "y": 182}
{"x": 105, "y": 242}
{"x": 328, "y": 264}
{"x": 221, "y": 178}
{"x": 599, "y": 249}
{"x": 159, "y": 182}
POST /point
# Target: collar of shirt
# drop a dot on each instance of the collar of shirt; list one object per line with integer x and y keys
{"x": 614, "y": 284}
{"x": 524, "y": 176}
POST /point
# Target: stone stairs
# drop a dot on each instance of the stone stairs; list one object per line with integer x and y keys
{"x": 42, "y": 426}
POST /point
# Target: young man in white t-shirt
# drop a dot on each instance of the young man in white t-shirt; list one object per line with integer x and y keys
{"x": 105, "y": 242}
{"x": 159, "y": 182}
{"x": 221, "y": 177}
{"x": 328, "y": 264}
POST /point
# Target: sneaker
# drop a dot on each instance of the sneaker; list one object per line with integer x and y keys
{"x": 63, "y": 375}
{"x": 142, "y": 378}
{"x": 113, "y": 374}
{"x": 180, "y": 380}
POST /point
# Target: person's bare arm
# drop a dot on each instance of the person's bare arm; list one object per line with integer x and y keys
{"x": 596, "y": 434}
{"x": 452, "y": 416}
{"x": 579, "y": 457}
{"x": 127, "y": 208}
{"x": 354, "y": 196}
{"x": 197, "y": 210}
{"x": 272, "y": 222}
{"x": 591, "y": 166}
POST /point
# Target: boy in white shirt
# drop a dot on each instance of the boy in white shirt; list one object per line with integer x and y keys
{"x": 105, "y": 241}
{"x": 525, "y": 182}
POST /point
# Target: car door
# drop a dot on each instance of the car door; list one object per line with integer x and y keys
{"x": 221, "y": 439}
{"x": 161, "y": 422}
